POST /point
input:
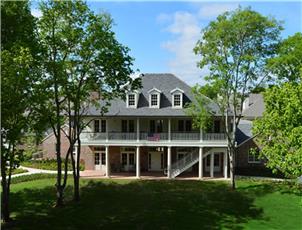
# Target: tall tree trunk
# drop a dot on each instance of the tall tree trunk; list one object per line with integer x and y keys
{"x": 77, "y": 174}
{"x": 5, "y": 214}
{"x": 60, "y": 189}
{"x": 232, "y": 174}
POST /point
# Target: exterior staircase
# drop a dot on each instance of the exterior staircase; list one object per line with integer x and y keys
{"x": 185, "y": 163}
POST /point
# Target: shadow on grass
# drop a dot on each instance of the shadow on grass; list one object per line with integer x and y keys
{"x": 137, "y": 205}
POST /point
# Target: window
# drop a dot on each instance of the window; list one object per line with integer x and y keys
{"x": 253, "y": 156}
{"x": 216, "y": 126}
{"x": 152, "y": 126}
{"x": 159, "y": 125}
{"x": 208, "y": 160}
{"x": 131, "y": 158}
{"x": 124, "y": 159}
{"x": 149, "y": 161}
{"x": 103, "y": 159}
{"x": 131, "y": 100}
{"x": 177, "y": 102}
{"x": 96, "y": 158}
{"x": 180, "y": 125}
{"x": 154, "y": 100}
{"x": 103, "y": 126}
{"x": 216, "y": 159}
{"x": 96, "y": 126}
{"x": 124, "y": 126}
{"x": 161, "y": 160}
{"x": 188, "y": 125}
{"x": 131, "y": 126}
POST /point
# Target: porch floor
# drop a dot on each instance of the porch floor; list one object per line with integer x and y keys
{"x": 147, "y": 175}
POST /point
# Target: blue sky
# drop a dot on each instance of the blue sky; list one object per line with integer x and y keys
{"x": 161, "y": 35}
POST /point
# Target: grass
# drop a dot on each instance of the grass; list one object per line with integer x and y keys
{"x": 48, "y": 164}
{"x": 126, "y": 204}
{"x": 18, "y": 171}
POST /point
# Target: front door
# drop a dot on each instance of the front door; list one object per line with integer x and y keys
{"x": 217, "y": 160}
{"x": 128, "y": 161}
{"x": 155, "y": 161}
{"x": 100, "y": 161}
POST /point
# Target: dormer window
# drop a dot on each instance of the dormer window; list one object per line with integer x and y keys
{"x": 154, "y": 98}
{"x": 132, "y": 99}
{"x": 177, "y": 98}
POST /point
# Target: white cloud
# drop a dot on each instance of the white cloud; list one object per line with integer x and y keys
{"x": 210, "y": 11}
{"x": 36, "y": 13}
{"x": 185, "y": 29}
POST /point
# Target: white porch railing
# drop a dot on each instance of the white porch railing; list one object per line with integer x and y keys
{"x": 214, "y": 136}
{"x": 184, "y": 136}
{"x": 147, "y": 136}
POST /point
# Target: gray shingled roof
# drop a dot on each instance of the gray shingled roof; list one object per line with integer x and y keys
{"x": 244, "y": 131}
{"x": 165, "y": 83}
{"x": 256, "y": 107}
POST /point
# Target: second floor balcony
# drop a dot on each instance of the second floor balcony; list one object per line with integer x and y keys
{"x": 146, "y": 130}
{"x": 148, "y": 136}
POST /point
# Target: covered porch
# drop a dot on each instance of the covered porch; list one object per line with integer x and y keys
{"x": 158, "y": 162}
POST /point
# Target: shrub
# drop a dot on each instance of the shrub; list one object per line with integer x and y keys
{"x": 49, "y": 164}
{"x": 19, "y": 179}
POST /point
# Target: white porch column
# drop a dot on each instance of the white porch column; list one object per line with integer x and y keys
{"x": 201, "y": 135}
{"x": 137, "y": 129}
{"x": 107, "y": 161}
{"x": 138, "y": 170}
{"x": 212, "y": 165}
{"x": 169, "y": 162}
{"x": 225, "y": 165}
{"x": 107, "y": 136}
{"x": 169, "y": 129}
{"x": 200, "y": 169}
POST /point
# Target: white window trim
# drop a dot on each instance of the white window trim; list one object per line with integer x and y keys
{"x": 181, "y": 101}
{"x": 156, "y": 92}
{"x": 254, "y": 161}
{"x": 135, "y": 100}
{"x": 158, "y": 100}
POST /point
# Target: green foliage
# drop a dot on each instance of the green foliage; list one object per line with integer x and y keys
{"x": 198, "y": 109}
{"x": 49, "y": 164}
{"x": 236, "y": 47}
{"x": 32, "y": 177}
{"x": 280, "y": 129}
{"x": 19, "y": 171}
{"x": 287, "y": 65}
{"x": 30, "y": 146}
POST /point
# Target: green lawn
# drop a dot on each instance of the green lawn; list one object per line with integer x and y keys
{"x": 125, "y": 204}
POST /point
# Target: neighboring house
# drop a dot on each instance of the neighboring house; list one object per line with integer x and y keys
{"x": 246, "y": 162}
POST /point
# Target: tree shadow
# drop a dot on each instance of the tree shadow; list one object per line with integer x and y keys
{"x": 137, "y": 205}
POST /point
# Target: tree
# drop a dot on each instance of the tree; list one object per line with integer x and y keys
{"x": 279, "y": 131}
{"x": 286, "y": 66}
{"x": 236, "y": 47}
{"x": 83, "y": 56}
{"x": 18, "y": 61}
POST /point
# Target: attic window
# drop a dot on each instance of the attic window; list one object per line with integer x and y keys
{"x": 131, "y": 100}
{"x": 154, "y": 100}
{"x": 177, "y": 100}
